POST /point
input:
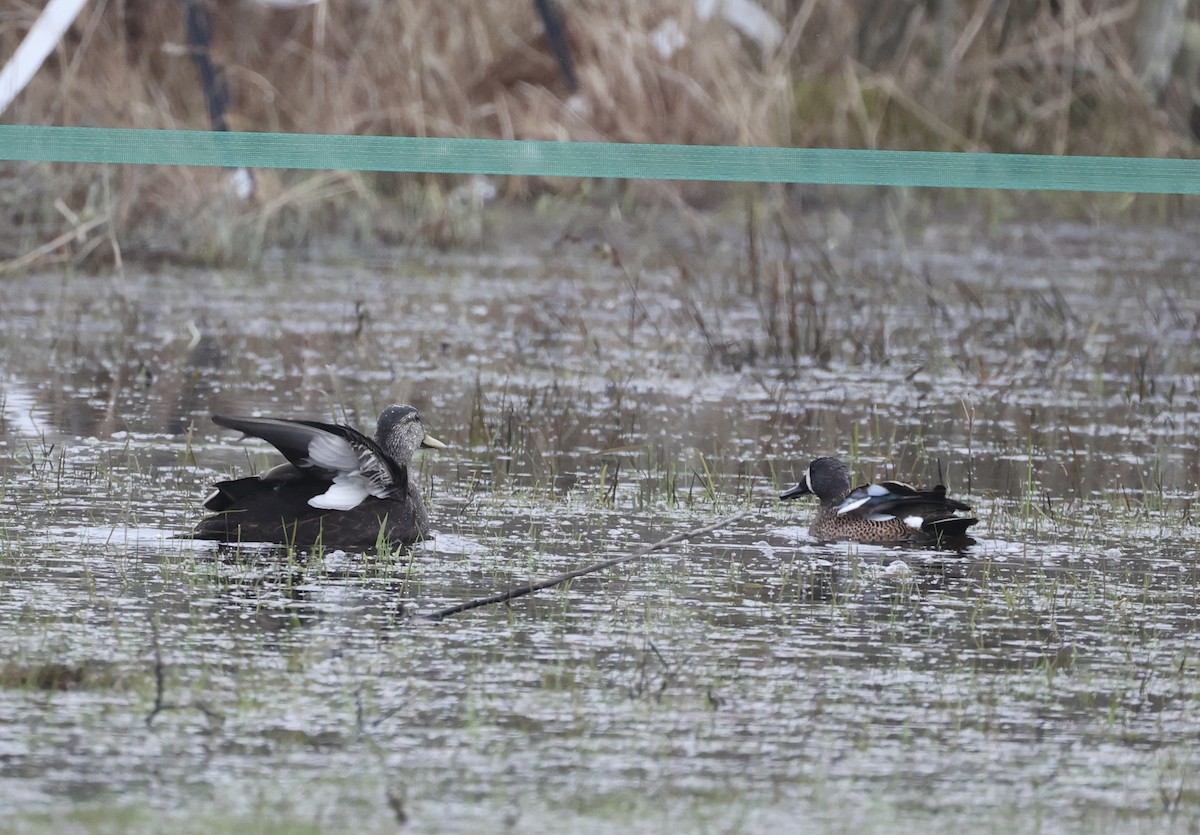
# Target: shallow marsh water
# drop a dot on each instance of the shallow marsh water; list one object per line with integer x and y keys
{"x": 1044, "y": 680}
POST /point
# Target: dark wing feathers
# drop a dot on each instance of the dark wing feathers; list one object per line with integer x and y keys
{"x": 894, "y": 498}
{"x": 290, "y": 437}
{"x": 323, "y": 450}
{"x": 900, "y": 488}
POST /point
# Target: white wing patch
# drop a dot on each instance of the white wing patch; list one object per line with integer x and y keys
{"x": 874, "y": 491}
{"x": 854, "y": 505}
{"x": 333, "y": 453}
{"x": 346, "y": 493}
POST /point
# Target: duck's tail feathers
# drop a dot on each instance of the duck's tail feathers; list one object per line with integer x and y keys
{"x": 948, "y": 527}
{"x": 226, "y": 494}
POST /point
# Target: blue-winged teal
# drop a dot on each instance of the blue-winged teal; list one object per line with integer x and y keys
{"x": 890, "y": 511}
{"x": 339, "y": 488}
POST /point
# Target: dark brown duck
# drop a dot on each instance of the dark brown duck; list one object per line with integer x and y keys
{"x": 338, "y": 489}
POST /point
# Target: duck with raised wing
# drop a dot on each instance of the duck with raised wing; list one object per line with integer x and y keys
{"x": 338, "y": 489}
{"x": 887, "y": 512}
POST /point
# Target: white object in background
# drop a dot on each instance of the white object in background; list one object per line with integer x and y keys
{"x": 747, "y": 17}
{"x": 47, "y": 31}
{"x": 667, "y": 38}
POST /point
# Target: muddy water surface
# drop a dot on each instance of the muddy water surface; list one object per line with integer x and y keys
{"x": 595, "y": 401}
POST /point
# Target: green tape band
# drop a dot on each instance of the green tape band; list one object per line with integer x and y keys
{"x": 599, "y": 159}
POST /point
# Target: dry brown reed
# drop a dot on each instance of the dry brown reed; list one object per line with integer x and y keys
{"x": 406, "y": 68}
{"x": 1022, "y": 76}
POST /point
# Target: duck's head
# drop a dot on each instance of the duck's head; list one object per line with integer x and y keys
{"x": 401, "y": 433}
{"x": 826, "y": 478}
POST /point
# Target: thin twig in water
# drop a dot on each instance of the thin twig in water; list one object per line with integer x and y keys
{"x": 558, "y": 579}
{"x": 215, "y": 717}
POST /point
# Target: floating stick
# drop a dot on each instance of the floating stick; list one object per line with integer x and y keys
{"x": 558, "y": 579}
